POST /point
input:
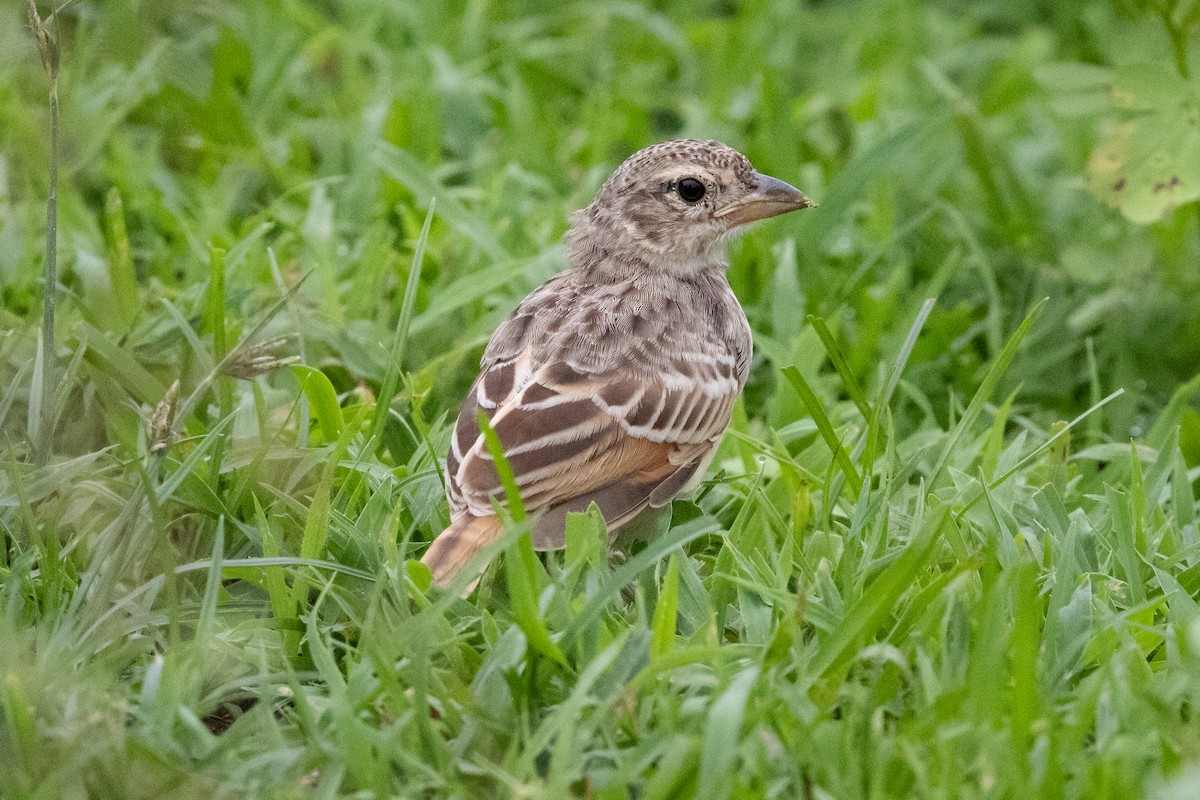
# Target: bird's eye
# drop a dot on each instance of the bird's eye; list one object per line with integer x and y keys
{"x": 691, "y": 190}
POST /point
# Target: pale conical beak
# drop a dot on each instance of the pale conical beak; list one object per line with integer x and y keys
{"x": 770, "y": 197}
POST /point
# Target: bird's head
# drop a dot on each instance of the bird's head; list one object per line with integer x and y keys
{"x": 671, "y": 207}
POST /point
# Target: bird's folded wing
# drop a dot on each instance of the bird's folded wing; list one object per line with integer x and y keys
{"x": 568, "y": 434}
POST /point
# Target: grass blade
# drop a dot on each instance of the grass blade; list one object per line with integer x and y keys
{"x": 212, "y": 587}
{"x": 990, "y": 381}
{"x": 910, "y": 341}
{"x": 405, "y": 169}
{"x": 652, "y": 553}
{"x": 122, "y": 276}
{"x": 663, "y": 627}
{"x": 1037, "y": 451}
{"x": 879, "y": 599}
{"x": 838, "y": 359}
{"x": 322, "y": 397}
{"x": 521, "y": 566}
{"x": 840, "y": 456}
{"x": 391, "y": 379}
{"x": 722, "y": 728}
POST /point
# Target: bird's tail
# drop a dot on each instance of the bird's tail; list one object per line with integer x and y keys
{"x": 458, "y": 544}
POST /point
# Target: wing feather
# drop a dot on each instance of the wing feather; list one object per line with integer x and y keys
{"x": 587, "y": 411}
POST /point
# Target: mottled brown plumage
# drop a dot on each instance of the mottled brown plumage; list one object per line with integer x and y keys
{"x": 614, "y": 381}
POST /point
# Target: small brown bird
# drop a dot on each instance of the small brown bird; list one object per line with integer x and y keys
{"x": 614, "y": 381}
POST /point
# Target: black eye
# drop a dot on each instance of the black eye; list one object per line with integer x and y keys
{"x": 691, "y": 190}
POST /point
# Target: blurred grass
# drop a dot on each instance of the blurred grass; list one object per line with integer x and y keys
{"x": 907, "y": 575}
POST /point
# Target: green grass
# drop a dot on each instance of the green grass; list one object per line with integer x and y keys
{"x": 948, "y": 549}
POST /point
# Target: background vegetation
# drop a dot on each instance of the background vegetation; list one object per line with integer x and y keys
{"x": 953, "y": 552}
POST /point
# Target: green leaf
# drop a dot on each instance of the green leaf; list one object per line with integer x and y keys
{"x": 824, "y": 426}
{"x": 838, "y": 359}
{"x": 671, "y": 773}
{"x": 585, "y": 536}
{"x": 1149, "y": 164}
{"x": 407, "y": 170}
{"x": 276, "y": 583}
{"x": 316, "y": 521}
{"x": 984, "y": 393}
{"x": 722, "y": 732}
{"x": 323, "y": 399}
{"x": 117, "y": 363}
{"x": 1025, "y": 642}
{"x": 121, "y": 275}
{"x": 879, "y": 598}
{"x": 678, "y": 536}
{"x": 1060, "y": 432}
{"x": 400, "y": 338}
{"x": 521, "y": 565}
{"x": 665, "y": 613}
{"x": 207, "y": 621}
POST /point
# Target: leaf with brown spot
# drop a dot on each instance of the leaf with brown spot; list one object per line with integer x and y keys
{"x": 1148, "y": 164}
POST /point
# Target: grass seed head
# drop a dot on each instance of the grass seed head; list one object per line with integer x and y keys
{"x": 248, "y": 361}
{"x": 159, "y": 433}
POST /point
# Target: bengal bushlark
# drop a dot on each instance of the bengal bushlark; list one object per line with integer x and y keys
{"x": 613, "y": 382}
